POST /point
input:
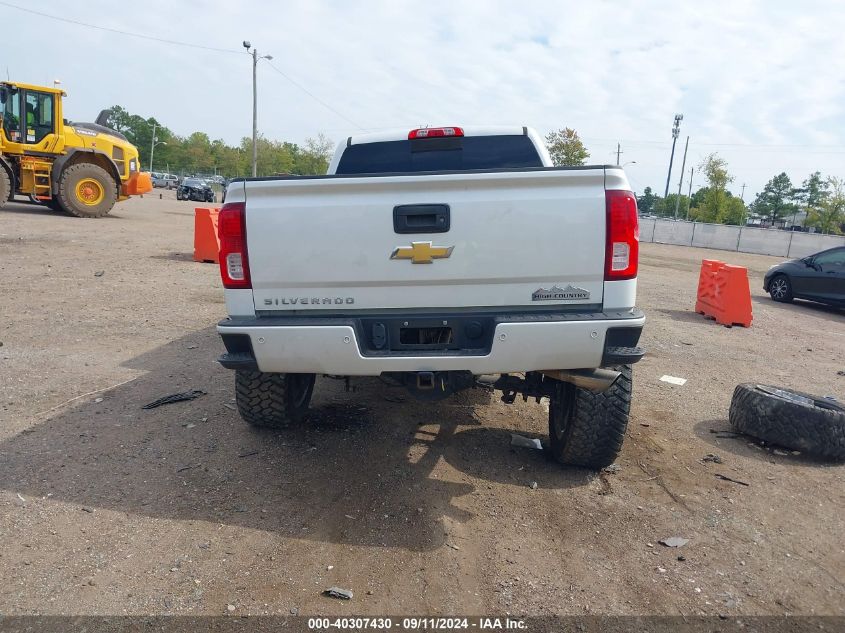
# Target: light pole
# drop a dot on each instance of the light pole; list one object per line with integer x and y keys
{"x": 676, "y": 130}
{"x": 255, "y": 59}
{"x": 153, "y": 144}
{"x": 630, "y": 162}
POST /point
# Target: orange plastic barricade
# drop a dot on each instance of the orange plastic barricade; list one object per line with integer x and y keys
{"x": 724, "y": 293}
{"x": 206, "y": 243}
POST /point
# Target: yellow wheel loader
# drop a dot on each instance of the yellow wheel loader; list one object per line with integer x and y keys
{"x": 79, "y": 168}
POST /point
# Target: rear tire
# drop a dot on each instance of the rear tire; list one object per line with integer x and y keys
{"x": 5, "y": 187}
{"x": 586, "y": 428}
{"x": 780, "y": 289}
{"x": 273, "y": 400}
{"x": 86, "y": 191}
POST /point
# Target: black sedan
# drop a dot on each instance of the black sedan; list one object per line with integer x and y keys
{"x": 819, "y": 277}
{"x": 195, "y": 189}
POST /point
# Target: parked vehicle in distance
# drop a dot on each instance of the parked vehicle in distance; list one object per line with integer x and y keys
{"x": 819, "y": 278}
{"x": 195, "y": 189}
{"x": 440, "y": 258}
{"x": 164, "y": 181}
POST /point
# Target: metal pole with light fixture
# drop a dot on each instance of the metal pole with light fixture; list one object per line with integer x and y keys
{"x": 153, "y": 144}
{"x": 676, "y": 130}
{"x": 255, "y": 58}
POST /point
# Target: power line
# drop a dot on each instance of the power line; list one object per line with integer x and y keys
{"x": 119, "y": 31}
{"x": 313, "y": 96}
{"x": 178, "y": 43}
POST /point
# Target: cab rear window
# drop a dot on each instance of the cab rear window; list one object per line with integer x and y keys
{"x": 440, "y": 154}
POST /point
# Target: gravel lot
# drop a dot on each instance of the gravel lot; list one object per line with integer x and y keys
{"x": 106, "y": 508}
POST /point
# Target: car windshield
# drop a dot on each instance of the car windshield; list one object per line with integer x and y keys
{"x": 194, "y": 182}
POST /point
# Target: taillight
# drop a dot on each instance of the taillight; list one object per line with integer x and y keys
{"x": 231, "y": 230}
{"x": 623, "y": 236}
{"x": 431, "y": 132}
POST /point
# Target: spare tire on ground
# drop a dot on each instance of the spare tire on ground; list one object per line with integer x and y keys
{"x": 791, "y": 419}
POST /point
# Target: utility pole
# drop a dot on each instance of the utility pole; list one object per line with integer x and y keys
{"x": 152, "y": 146}
{"x": 676, "y": 130}
{"x": 742, "y": 195}
{"x": 618, "y": 152}
{"x": 689, "y": 193}
{"x": 681, "y": 180}
{"x": 255, "y": 59}
{"x": 254, "y": 112}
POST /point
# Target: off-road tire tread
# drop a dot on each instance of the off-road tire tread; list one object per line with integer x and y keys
{"x": 597, "y": 422}
{"x": 65, "y": 196}
{"x": 5, "y": 187}
{"x": 812, "y": 430}
{"x": 265, "y": 400}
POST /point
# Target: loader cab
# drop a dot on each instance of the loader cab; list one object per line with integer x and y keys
{"x": 31, "y": 118}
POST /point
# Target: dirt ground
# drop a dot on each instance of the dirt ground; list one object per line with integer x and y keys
{"x": 106, "y": 508}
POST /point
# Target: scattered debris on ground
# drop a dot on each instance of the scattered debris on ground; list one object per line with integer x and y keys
{"x": 339, "y": 593}
{"x": 674, "y": 541}
{"x": 673, "y": 380}
{"x": 712, "y": 457}
{"x": 735, "y": 481}
{"x": 175, "y": 397}
{"x": 526, "y": 442}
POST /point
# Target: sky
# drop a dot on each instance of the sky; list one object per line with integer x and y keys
{"x": 762, "y": 83}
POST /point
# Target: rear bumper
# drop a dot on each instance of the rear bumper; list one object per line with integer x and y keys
{"x": 519, "y": 343}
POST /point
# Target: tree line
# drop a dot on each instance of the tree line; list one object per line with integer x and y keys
{"x": 198, "y": 154}
{"x": 821, "y": 198}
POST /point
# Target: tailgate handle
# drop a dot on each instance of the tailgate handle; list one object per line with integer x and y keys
{"x": 421, "y": 218}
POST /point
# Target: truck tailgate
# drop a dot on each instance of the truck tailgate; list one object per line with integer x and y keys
{"x": 516, "y": 239}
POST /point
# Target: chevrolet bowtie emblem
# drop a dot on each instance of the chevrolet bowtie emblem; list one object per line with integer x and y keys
{"x": 421, "y": 252}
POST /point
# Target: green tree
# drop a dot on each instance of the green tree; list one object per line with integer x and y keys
{"x": 713, "y": 205}
{"x": 813, "y": 191}
{"x": 775, "y": 201}
{"x": 647, "y": 201}
{"x": 665, "y": 207}
{"x": 829, "y": 215}
{"x": 735, "y": 211}
{"x": 314, "y": 158}
{"x": 566, "y": 148}
{"x": 198, "y": 154}
{"x": 698, "y": 197}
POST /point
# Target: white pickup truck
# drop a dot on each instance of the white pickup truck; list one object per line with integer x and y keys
{"x": 442, "y": 258}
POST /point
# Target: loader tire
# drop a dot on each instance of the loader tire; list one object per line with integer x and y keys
{"x": 5, "y": 187}
{"x": 273, "y": 400}
{"x": 86, "y": 191}
{"x": 791, "y": 419}
{"x": 587, "y": 428}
